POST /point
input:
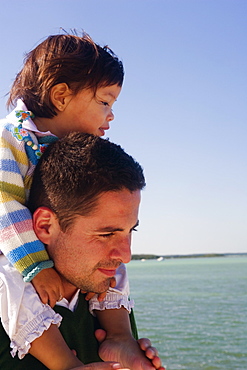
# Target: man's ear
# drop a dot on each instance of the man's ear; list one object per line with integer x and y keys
{"x": 60, "y": 96}
{"x": 45, "y": 224}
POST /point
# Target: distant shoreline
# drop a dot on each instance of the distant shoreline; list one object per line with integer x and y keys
{"x": 161, "y": 257}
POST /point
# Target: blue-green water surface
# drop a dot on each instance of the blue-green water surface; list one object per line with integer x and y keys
{"x": 194, "y": 310}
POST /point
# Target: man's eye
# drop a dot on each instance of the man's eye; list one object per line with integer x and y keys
{"x": 106, "y": 235}
{"x": 105, "y": 103}
{"x": 134, "y": 229}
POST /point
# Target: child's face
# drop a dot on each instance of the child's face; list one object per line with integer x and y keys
{"x": 88, "y": 113}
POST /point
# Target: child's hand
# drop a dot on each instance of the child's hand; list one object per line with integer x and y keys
{"x": 49, "y": 286}
{"x": 101, "y": 296}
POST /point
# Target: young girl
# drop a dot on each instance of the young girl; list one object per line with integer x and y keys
{"x": 65, "y": 79}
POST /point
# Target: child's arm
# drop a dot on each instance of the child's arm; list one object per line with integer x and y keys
{"x": 18, "y": 240}
{"x": 31, "y": 325}
{"x": 24, "y": 317}
{"x": 25, "y": 252}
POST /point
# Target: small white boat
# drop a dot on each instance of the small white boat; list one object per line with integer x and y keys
{"x": 160, "y": 259}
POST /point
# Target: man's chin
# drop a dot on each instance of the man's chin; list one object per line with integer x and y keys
{"x": 103, "y": 287}
{"x": 98, "y": 288}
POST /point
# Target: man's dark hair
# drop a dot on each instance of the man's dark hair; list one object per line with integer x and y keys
{"x": 75, "y": 170}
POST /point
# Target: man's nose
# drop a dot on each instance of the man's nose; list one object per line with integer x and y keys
{"x": 122, "y": 251}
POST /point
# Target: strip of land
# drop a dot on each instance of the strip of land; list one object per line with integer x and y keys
{"x": 161, "y": 257}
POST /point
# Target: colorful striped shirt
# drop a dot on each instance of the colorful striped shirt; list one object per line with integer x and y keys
{"x": 20, "y": 150}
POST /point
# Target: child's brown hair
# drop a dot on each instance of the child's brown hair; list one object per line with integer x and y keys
{"x": 77, "y": 61}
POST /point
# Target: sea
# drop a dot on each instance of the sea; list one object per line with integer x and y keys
{"x": 194, "y": 310}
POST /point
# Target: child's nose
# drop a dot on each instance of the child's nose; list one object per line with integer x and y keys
{"x": 110, "y": 116}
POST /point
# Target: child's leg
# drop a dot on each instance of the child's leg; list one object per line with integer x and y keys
{"x": 51, "y": 349}
{"x": 113, "y": 314}
{"x": 31, "y": 325}
{"x": 118, "y": 343}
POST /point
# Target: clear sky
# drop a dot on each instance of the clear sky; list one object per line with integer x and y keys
{"x": 182, "y": 112}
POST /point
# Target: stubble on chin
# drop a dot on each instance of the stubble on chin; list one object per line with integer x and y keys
{"x": 89, "y": 285}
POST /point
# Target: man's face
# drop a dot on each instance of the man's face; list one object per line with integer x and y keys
{"x": 88, "y": 255}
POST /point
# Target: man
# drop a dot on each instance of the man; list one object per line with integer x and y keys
{"x": 85, "y": 199}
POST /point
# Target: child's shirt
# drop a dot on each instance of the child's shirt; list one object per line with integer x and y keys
{"x": 20, "y": 150}
{"x": 21, "y": 146}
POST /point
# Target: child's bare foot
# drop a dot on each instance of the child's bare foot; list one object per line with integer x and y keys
{"x": 100, "y": 366}
{"x": 136, "y": 355}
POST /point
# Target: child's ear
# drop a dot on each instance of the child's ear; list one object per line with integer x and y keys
{"x": 45, "y": 224}
{"x": 60, "y": 95}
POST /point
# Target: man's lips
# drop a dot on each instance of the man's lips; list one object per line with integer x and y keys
{"x": 107, "y": 272}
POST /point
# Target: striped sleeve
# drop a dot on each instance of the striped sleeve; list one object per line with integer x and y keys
{"x": 18, "y": 240}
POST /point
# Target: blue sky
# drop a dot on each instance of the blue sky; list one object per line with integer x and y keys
{"x": 182, "y": 112}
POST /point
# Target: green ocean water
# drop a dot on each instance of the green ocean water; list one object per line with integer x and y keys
{"x": 194, "y": 310}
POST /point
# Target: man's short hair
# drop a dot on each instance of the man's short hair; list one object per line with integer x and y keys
{"x": 75, "y": 170}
